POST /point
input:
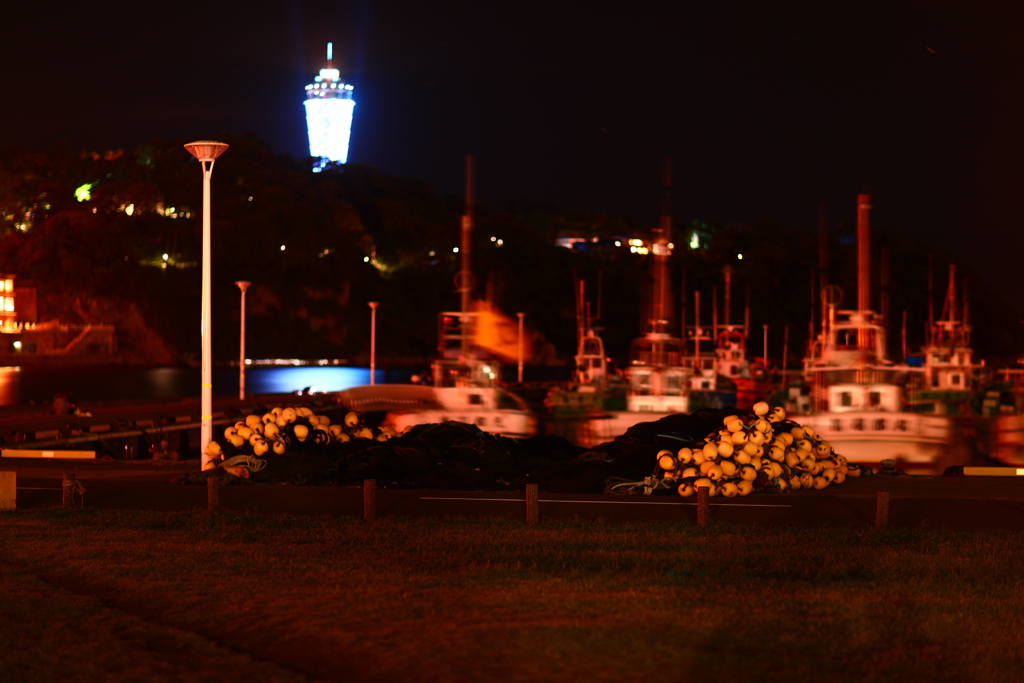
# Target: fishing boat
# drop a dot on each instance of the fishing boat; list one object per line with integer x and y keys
{"x": 950, "y": 376}
{"x": 859, "y": 399}
{"x": 465, "y": 386}
{"x": 723, "y": 374}
{"x": 657, "y": 381}
{"x": 1003, "y": 405}
{"x": 593, "y": 389}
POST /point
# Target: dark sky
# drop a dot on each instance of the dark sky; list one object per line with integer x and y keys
{"x": 766, "y": 113}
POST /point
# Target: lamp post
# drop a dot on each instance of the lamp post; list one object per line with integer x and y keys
{"x": 520, "y": 346}
{"x": 242, "y": 285}
{"x": 373, "y": 342}
{"x": 206, "y": 151}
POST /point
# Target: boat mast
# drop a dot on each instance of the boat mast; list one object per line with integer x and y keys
{"x": 662, "y": 238}
{"x": 863, "y": 271}
{"x": 464, "y": 280}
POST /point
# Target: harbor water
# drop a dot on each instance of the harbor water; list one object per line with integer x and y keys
{"x": 39, "y": 385}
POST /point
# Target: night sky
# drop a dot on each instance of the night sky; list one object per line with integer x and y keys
{"x": 766, "y": 113}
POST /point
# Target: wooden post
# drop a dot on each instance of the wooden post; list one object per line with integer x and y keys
{"x": 8, "y": 490}
{"x": 703, "y": 505}
{"x": 532, "y": 509}
{"x": 882, "y": 510}
{"x": 212, "y": 491}
{"x": 370, "y": 500}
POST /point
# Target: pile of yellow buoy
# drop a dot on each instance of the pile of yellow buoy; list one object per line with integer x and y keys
{"x": 283, "y": 430}
{"x": 758, "y": 449}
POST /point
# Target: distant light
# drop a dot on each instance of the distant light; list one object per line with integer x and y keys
{"x": 17, "y": 346}
{"x": 632, "y": 250}
{"x": 165, "y": 257}
{"x": 671, "y": 246}
{"x": 739, "y": 256}
{"x": 282, "y": 247}
{"x": 130, "y": 209}
{"x": 500, "y": 242}
{"x": 366, "y": 259}
{"x": 694, "y": 241}
{"x": 83, "y": 193}
{"x": 250, "y": 198}
{"x": 618, "y": 243}
{"x": 493, "y": 238}
{"x": 433, "y": 253}
{"x": 455, "y": 250}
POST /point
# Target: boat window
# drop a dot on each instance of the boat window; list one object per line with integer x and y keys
{"x": 874, "y": 399}
{"x": 955, "y": 379}
{"x": 476, "y": 399}
{"x": 846, "y": 339}
{"x": 846, "y": 399}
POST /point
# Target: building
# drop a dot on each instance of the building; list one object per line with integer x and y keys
{"x": 329, "y": 106}
{"x": 23, "y": 340}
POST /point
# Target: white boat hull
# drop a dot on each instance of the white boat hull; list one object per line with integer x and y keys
{"x": 919, "y": 443}
{"x": 512, "y": 423}
{"x": 1007, "y": 439}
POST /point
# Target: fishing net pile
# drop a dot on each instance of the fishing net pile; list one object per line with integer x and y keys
{"x": 732, "y": 454}
{"x": 756, "y": 450}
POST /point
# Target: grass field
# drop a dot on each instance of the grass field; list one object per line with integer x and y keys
{"x": 121, "y": 596}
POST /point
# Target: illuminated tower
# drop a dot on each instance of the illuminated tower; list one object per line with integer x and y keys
{"x": 329, "y": 106}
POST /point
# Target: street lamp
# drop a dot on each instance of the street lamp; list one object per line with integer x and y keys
{"x": 206, "y": 151}
{"x": 242, "y": 285}
{"x": 520, "y": 346}
{"x": 373, "y": 342}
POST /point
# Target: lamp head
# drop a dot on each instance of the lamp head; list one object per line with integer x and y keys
{"x": 206, "y": 150}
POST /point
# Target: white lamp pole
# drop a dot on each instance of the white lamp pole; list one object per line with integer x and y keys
{"x": 242, "y": 285}
{"x": 520, "y": 346}
{"x": 373, "y": 342}
{"x": 206, "y": 151}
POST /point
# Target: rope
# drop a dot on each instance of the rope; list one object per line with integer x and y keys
{"x": 647, "y": 486}
{"x": 252, "y": 463}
